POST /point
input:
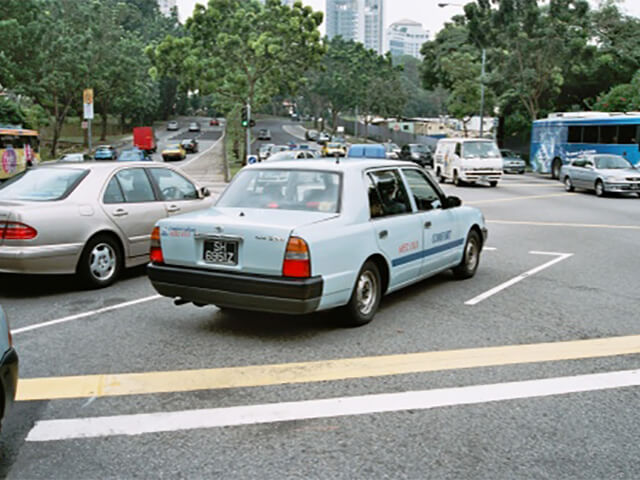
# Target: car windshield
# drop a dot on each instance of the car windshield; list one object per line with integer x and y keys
{"x": 130, "y": 155}
{"x": 334, "y": 145}
{"x": 420, "y": 148}
{"x": 307, "y": 190}
{"x": 42, "y": 184}
{"x": 480, "y": 150}
{"x": 612, "y": 161}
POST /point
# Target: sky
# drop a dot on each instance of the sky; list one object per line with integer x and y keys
{"x": 426, "y": 12}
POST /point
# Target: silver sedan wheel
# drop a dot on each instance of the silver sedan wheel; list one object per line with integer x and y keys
{"x": 102, "y": 262}
{"x": 367, "y": 292}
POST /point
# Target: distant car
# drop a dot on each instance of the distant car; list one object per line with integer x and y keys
{"x": 264, "y": 134}
{"x": 338, "y": 139}
{"x": 194, "y": 127}
{"x": 292, "y": 155}
{"x": 264, "y": 151}
{"x": 93, "y": 219}
{"x": 106, "y": 152}
{"x": 512, "y": 162}
{"x": 334, "y": 149}
{"x": 311, "y": 135}
{"x": 323, "y": 137}
{"x": 279, "y": 148}
{"x": 75, "y": 157}
{"x": 367, "y": 150}
{"x": 214, "y": 122}
{"x": 602, "y": 173}
{"x": 190, "y": 145}
{"x": 316, "y": 235}
{"x": 134, "y": 155}
{"x": 391, "y": 151}
{"x": 174, "y": 152}
{"x": 172, "y": 125}
{"x": 418, "y": 153}
{"x": 295, "y": 117}
{"x": 8, "y": 367}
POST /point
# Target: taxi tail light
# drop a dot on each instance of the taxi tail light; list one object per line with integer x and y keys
{"x": 155, "y": 252}
{"x": 17, "y": 231}
{"x": 297, "y": 261}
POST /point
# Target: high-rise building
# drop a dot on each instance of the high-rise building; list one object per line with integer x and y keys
{"x": 358, "y": 20}
{"x": 406, "y": 38}
{"x": 165, "y": 6}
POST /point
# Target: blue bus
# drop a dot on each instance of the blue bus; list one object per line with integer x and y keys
{"x": 562, "y": 136}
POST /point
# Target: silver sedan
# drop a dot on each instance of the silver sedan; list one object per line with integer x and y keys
{"x": 602, "y": 173}
{"x": 91, "y": 219}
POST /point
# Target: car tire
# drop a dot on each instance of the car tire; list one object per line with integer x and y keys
{"x": 599, "y": 188}
{"x": 365, "y": 298}
{"x": 101, "y": 262}
{"x": 493, "y": 183}
{"x": 568, "y": 184}
{"x": 456, "y": 179}
{"x": 470, "y": 257}
{"x": 555, "y": 168}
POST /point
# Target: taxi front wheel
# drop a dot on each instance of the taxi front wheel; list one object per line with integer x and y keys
{"x": 365, "y": 298}
{"x": 470, "y": 257}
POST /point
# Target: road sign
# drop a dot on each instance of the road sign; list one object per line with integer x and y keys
{"x": 251, "y": 159}
{"x": 85, "y": 125}
{"x": 87, "y": 101}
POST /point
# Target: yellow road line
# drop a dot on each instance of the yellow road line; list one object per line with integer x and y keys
{"x": 562, "y": 224}
{"x": 527, "y": 197}
{"x": 319, "y": 371}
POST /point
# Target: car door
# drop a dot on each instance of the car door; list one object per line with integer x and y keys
{"x": 130, "y": 202}
{"x": 178, "y": 194}
{"x": 590, "y": 173}
{"x": 442, "y": 238}
{"x": 396, "y": 226}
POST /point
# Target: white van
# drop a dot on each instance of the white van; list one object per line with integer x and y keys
{"x": 468, "y": 160}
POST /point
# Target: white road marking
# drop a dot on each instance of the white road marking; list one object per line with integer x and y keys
{"x": 79, "y": 316}
{"x": 187, "y": 162}
{"x": 290, "y": 130}
{"x": 489, "y": 249}
{"x": 519, "y": 278}
{"x": 137, "y": 424}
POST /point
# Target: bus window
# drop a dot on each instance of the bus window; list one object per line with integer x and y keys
{"x": 10, "y": 141}
{"x": 575, "y": 135}
{"x": 608, "y": 134}
{"x": 32, "y": 141}
{"x": 627, "y": 134}
{"x": 590, "y": 135}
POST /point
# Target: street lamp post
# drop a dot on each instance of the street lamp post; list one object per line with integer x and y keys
{"x": 484, "y": 59}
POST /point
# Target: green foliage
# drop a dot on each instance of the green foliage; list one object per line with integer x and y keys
{"x": 420, "y": 102}
{"x": 621, "y": 98}
{"x": 11, "y": 113}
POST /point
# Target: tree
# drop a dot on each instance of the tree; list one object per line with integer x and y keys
{"x": 621, "y": 98}
{"x": 420, "y": 102}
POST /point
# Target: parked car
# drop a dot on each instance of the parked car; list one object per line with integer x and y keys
{"x": 292, "y": 155}
{"x": 334, "y": 149}
{"x": 214, "y": 122}
{"x": 418, "y": 153}
{"x": 190, "y": 145}
{"x": 264, "y": 151}
{"x": 90, "y": 219}
{"x": 323, "y": 137}
{"x": 145, "y": 139}
{"x": 174, "y": 151}
{"x": 134, "y": 155}
{"x": 194, "y": 127}
{"x": 601, "y": 173}
{"x": 367, "y": 150}
{"x": 172, "y": 125}
{"x": 105, "y": 152}
{"x": 391, "y": 151}
{"x": 468, "y": 160}
{"x": 512, "y": 162}
{"x": 391, "y": 225}
{"x": 264, "y": 134}
{"x": 311, "y": 135}
{"x": 8, "y": 367}
{"x": 75, "y": 157}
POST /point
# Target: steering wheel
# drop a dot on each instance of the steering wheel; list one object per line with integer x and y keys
{"x": 170, "y": 193}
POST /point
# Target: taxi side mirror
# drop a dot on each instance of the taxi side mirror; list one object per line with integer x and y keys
{"x": 452, "y": 202}
{"x": 204, "y": 192}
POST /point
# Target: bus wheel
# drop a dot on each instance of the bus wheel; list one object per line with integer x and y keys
{"x": 568, "y": 184}
{"x": 600, "y": 191}
{"x": 555, "y": 168}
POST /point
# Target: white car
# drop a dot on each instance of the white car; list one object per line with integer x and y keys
{"x": 468, "y": 160}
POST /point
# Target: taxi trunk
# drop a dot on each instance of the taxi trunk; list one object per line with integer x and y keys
{"x": 233, "y": 240}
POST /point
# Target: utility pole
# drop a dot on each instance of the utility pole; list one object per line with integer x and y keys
{"x": 484, "y": 58}
{"x": 248, "y": 149}
{"x": 355, "y": 125}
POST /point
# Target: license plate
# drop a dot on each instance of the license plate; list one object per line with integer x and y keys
{"x": 221, "y": 252}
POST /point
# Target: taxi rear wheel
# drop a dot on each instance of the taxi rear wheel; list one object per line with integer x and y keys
{"x": 470, "y": 257}
{"x": 568, "y": 184}
{"x": 365, "y": 298}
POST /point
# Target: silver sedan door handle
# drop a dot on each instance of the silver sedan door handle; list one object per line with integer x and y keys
{"x": 173, "y": 208}
{"x": 120, "y": 212}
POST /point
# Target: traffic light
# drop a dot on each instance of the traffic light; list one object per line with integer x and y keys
{"x": 245, "y": 117}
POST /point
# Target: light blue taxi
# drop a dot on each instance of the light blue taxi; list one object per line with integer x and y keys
{"x": 298, "y": 238}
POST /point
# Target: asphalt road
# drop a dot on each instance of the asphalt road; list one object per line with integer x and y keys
{"x": 585, "y": 427}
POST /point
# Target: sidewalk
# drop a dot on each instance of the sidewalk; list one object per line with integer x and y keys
{"x": 208, "y": 168}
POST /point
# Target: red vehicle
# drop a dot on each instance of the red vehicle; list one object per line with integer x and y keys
{"x": 144, "y": 139}
{"x": 214, "y": 122}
